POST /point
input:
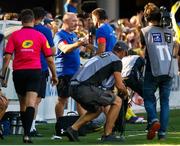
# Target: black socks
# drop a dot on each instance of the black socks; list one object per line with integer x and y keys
{"x": 28, "y": 119}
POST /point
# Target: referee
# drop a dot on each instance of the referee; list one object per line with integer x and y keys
{"x": 26, "y": 45}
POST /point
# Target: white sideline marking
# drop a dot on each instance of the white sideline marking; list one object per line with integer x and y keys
{"x": 136, "y": 135}
{"x": 174, "y": 133}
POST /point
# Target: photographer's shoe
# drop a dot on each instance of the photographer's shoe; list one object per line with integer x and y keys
{"x": 111, "y": 137}
{"x": 72, "y": 134}
{"x": 154, "y": 127}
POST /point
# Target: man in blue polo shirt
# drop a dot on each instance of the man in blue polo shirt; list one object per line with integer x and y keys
{"x": 71, "y": 6}
{"x": 39, "y": 14}
{"x": 67, "y": 58}
{"x": 105, "y": 34}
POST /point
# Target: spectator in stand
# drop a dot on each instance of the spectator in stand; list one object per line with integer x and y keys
{"x": 137, "y": 20}
{"x": 48, "y": 15}
{"x": 10, "y": 16}
{"x": 71, "y": 6}
{"x": 133, "y": 39}
{"x": 48, "y": 22}
{"x": 105, "y": 35}
{"x": 56, "y": 25}
{"x": 14, "y": 16}
{"x": 7, "y": 16}
{"x": 86, "y": 19}
{"x": 26, "y": 45}
{"x": 80, "y": 31}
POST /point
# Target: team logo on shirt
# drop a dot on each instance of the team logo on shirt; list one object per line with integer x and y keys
{"x": 27, "y": 43}
{"x": 167, "y": 37}
{"x": 157, "y": 37}
{"x": 47, "y": 44}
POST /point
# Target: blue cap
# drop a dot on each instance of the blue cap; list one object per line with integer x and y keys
{"x": 121, "y": 46}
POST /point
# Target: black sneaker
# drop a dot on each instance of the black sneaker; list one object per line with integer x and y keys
{"x": 161, "y": 137}
{"x": 35, "y": 133}
{"x": 72, "y": 134}
{"x": 121, "y": 138}
{"x": 111, "y": 137}
{"x": 154, "y": 127}
{"x": 147, "y": 127}
{"x": 27, "y": 139}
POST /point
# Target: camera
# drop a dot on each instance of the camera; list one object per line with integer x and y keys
{"x": 165, "y": 17}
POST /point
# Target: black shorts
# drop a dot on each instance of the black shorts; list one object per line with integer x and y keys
{"x": 91, "y": 98}
{"x": 63, "y": 86}
{"x": 27, "y": 80}
{"x": 44, "y": 77}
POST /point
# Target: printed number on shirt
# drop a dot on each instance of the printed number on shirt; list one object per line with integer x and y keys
{"x": 163, "y": 50}
{"x": 105, "y": 54}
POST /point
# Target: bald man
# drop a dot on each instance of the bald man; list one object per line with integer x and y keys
{"x": 67, "y": 58}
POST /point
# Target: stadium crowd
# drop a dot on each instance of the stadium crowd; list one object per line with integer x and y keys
{"x": 125, "y": 58}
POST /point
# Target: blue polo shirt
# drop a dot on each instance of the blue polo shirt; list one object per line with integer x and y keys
{"x": 69, "y": 8}
{"x": 107, "y": 32}
{"x": 48, "y": 34}
{"x": 69, "y": 63}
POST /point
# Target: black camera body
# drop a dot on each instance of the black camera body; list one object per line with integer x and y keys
{"x": 165, "y": 17}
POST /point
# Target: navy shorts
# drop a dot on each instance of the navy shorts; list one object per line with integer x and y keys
{"x": 44, "y": 77}
{"x": 63, "y": 86}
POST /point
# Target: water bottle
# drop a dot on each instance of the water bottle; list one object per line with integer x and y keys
{"x": 13, "y": 125}
{"x": 19, "y": 129}
{"x": 90, "y": 38}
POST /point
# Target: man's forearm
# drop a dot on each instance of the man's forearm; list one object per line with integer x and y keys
{"x": 52, "y": 66}
{"x": 69, "y": 47}
{"x": 6, "y": 61}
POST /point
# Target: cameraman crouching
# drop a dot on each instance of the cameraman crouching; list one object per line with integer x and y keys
{"x": 91, "y": 87}
{"x": 157, "y": 40}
